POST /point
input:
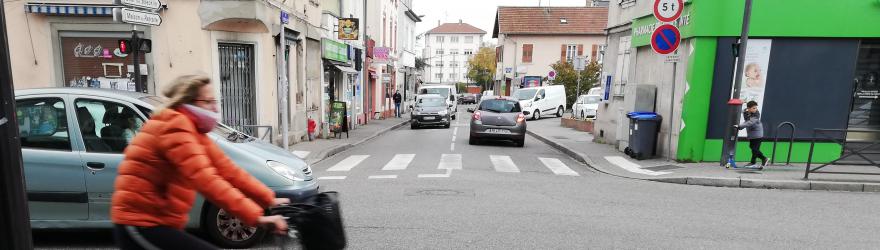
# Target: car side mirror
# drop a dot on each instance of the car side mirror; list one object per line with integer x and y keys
{"x": 450, "y": 105}
{"x": 470, "y": 110}
{"x": 537, "y": 98}
{"x": 526, "y": 113}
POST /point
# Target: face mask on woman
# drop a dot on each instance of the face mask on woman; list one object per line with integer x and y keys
{"x": 206, "y": 120}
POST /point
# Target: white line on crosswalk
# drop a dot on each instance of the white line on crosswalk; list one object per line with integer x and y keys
{"x": 348, "y": 163}
{"x": 393, "y": 176}
{"x": 632, "y": 167}
{"x": 503, "y": 163}
{"x": 447, "y": 174}
{"x": 450, "y": 161}
{"x": 399, "y": 162}
{"x": 331, "y": 178}
{"x": 557, "y": 166}
{"x": 301, "y": 154}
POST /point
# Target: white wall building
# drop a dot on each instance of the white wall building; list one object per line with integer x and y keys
{"x": 406, "y": 36}
{"x": 448, "y": 47}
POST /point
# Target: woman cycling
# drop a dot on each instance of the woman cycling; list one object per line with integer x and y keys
{"x": 170, "y": 160}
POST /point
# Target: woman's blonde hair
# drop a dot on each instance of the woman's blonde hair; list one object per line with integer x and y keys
{"x": 184, "y": 90}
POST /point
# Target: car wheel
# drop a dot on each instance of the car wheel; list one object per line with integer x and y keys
{"x": 472, "y": 141}
{"x": 453, "y": 117}
{"x": 559, "y": 111}
{"x": 413, "y": 126}
{"x": 521, "y": 143}
{"x": 536, "y": 115}
{"x": 226, "y": 231}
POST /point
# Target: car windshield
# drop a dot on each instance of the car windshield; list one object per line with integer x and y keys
{"x": 444, "y": 92}
{"x": 500, "y": 106}
{"x": 525, "y": 94}
{"x": 431, "y": 102}
{"x": 591, "y": 99}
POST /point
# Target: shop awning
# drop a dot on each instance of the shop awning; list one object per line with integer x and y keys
{"x": 69, "y": 9}
{"x": 346, "y": 69}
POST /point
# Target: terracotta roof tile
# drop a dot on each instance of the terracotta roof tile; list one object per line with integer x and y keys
{"x": 456, "y": 28}
{"x": 547, "y": 20}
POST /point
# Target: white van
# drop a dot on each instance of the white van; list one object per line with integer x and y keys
{"x": 447, "y": 91}
{"x": 542, "y": 100}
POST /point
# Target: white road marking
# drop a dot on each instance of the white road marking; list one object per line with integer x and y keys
{"x": 301, "y": 154}
{"x": 450, "y": 161}
{"x": 446, "y": 175}
{"x": 453, "y": 138}
{"x": 632, "y": 167}
{"x": 558, "y": 167}
{"x": 331, "y": 178}
{"x": 452, "y": 147}
{"x": 399, "y": 162}
{"x": 393, "y": 176}
{"x": 503, "y": 163}
{"x": 348, "y": 163}
{"x": 455, "y": 131}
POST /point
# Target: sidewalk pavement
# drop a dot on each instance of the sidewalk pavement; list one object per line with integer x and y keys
{"x": 319, "y": 149}
{"x": 605, "y": 158}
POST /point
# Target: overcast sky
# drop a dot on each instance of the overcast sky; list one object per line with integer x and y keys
{"x": 479, "y": 13}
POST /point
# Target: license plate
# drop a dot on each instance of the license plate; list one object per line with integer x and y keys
{"x": 498, "y": 131}
{"x": 428, "y": 118}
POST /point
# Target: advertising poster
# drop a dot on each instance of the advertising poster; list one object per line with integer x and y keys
{"x": 337, "y": 117}
{"x": 757, "y": 61}
{"x": 348, "y": 29}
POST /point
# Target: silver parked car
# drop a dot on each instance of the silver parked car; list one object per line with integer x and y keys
{"x": 72, "y": 141}
{"x": 498, "y": 118}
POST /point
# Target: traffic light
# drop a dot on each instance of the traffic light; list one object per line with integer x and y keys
{"x": 124, "y": 46}
{"x": 146, "y": 45}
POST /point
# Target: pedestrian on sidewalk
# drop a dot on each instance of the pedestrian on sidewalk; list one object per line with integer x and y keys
{"x": 170, "y": 160}
{"x": 397, "y": 100}
{"x": 754, "y": 131}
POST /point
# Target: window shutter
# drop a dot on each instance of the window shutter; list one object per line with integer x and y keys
{"x": 498, "y": 54}
{"x": 562, "y": 54}
{"x": 580, "y": 49}
{"x": 527, "y": 53}
{"x": 593, "y": 55}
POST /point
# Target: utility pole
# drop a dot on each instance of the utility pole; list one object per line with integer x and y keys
{"x": 282, "y": 82}
{"x": 735, "y": 104}
{"x": 136, "y": 50}
{"x": 15, "y": 228}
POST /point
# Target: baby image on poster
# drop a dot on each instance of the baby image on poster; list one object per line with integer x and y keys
{"x": 757, "y": 61}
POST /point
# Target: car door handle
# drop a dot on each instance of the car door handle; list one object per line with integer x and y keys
{"x": 95, "y": 165}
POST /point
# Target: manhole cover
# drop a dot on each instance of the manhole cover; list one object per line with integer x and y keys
{"x": 663, "y": 167}
{"x": 439, "y": 192}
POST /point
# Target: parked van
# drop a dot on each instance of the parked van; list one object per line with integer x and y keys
{"x": 447, "y": 91}
{"x": 542, "y": 100}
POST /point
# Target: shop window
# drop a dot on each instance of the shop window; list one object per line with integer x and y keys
{"x": 42, "y": 124}
{"x": 865, "y": 113}
{"x": 94, "y": 60}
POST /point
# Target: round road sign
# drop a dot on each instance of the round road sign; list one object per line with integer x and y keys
{"x": 668, "y": 10}
{"x": 665, "y": 39}
{"x": 551, "y": 75}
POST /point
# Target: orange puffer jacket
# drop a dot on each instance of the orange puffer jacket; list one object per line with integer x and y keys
{"x": 164, "y": 166}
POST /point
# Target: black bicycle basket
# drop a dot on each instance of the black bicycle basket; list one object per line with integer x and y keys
{"x": 318, "y": 220}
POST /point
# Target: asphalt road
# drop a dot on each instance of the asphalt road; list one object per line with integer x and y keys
{"x": 505, "y": 197}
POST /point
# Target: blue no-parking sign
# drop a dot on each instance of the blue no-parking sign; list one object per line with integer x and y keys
{"x": 665, "y": 39}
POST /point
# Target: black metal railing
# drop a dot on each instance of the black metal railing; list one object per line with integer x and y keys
{"x": 847, "y": 149}
{"x": 790, "y": 142}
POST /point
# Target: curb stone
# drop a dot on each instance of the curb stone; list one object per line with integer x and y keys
{"x": 343, "y": 147}
{"x": 718, "y": 181}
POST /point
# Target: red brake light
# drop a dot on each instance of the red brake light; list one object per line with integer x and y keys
{"x": 477, "y": 116}
{"x": 520, "y": 118}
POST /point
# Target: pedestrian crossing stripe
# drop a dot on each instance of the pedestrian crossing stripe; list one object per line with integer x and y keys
{"x": 501, "y": 163}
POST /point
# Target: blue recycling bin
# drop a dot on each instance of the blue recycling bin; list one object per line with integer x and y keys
{"x": 643, "y": 130}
